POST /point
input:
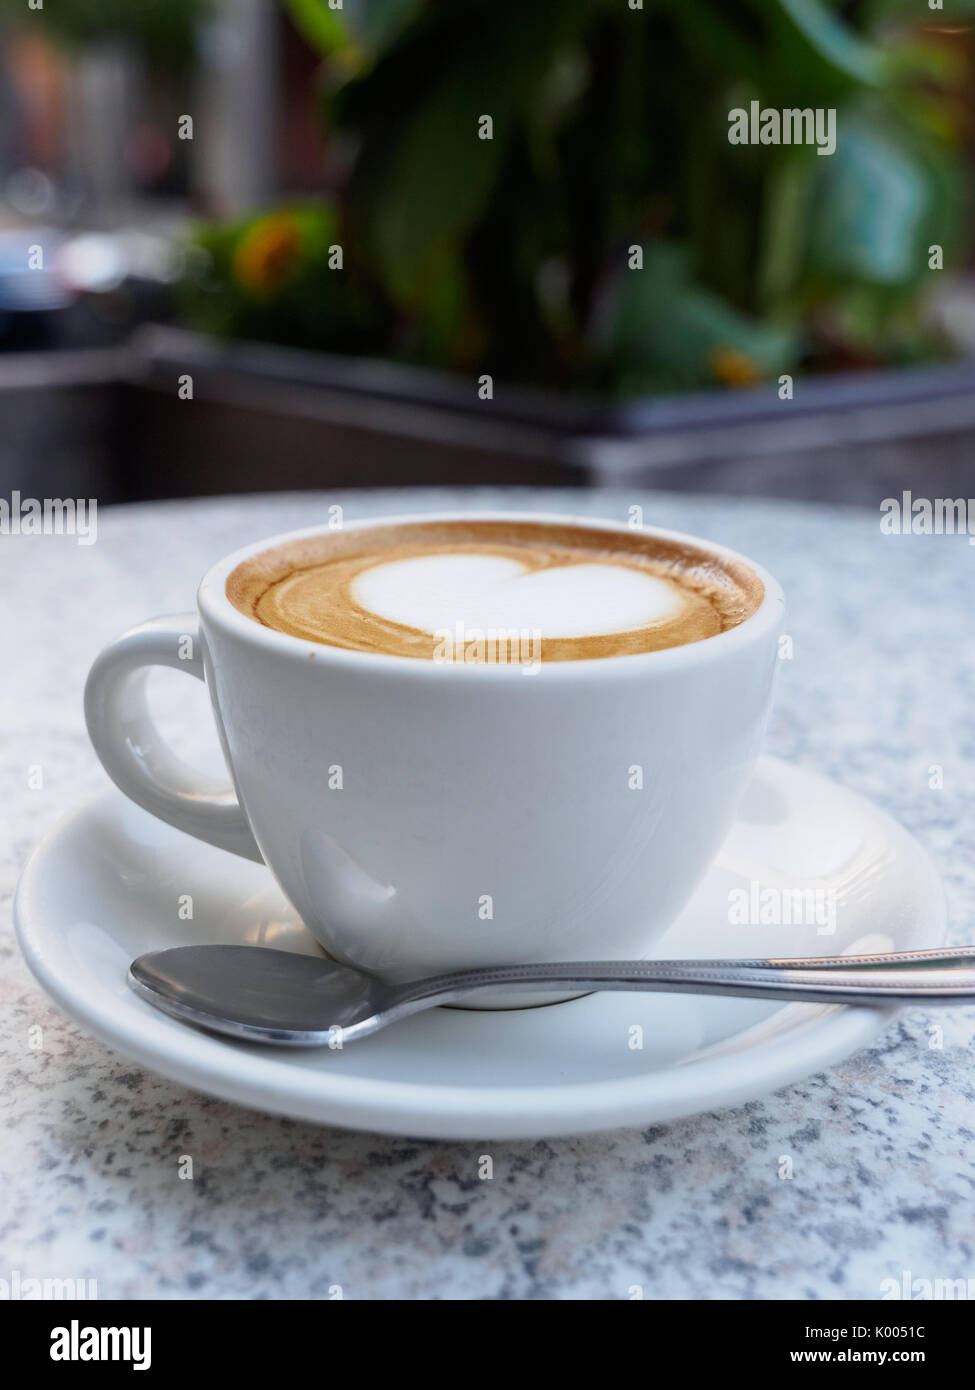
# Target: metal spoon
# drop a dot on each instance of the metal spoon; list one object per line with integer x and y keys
{"x": 270, "y": 996}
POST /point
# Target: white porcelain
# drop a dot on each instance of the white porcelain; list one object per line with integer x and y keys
{"x": 485, "y": 815}
{"x": 104, "y": 887}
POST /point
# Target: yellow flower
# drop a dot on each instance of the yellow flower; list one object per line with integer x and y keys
{"x": 733, "y": 368}
{"x": 268, "y": 253}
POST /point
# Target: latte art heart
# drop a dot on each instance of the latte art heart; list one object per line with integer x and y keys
{"x": 583, "y": 592}
{"x": 431, "y": 593}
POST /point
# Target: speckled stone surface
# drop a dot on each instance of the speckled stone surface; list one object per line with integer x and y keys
{"x": 880, "y": 691}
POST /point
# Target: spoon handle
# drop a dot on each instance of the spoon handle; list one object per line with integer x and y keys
{"x": 928, "y": 977}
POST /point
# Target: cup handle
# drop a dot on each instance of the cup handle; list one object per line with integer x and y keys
{"x": 131, "y": 749}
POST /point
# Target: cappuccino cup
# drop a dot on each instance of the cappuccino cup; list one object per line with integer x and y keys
{"x": 462, "y": 740}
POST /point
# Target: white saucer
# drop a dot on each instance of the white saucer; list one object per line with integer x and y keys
{"x": 105, "y": 885}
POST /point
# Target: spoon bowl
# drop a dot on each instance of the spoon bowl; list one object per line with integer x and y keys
{"x": 262, "y": 995}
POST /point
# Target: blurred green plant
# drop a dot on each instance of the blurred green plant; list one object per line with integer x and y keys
{"x": 165, "y": 29}
{"x": 610, "y": 131}
{"x": 275, "y": 279}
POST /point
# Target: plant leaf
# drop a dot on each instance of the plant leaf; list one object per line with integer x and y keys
{"x": 833, "y": 41}
{"x": 324, "y": 28}
{"x": 665, "y": 331}
{"x": 423, "y": 179}
{"x": 869, "y": 209}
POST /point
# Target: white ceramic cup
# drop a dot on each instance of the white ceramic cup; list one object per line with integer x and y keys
{"x": 425, "y": 817}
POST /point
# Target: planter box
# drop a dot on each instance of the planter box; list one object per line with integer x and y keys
{"x": 110, "y": 423}
{"x": 269, "y": 417}
{"x": 59, "y": 417}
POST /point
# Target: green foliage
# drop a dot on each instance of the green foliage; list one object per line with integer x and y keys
{"x": 271, "y": 279}
{"x": 809, "y": 35}
{"x": 610, "y": 131}
{"x": 366, "y": 28}
{"x": 666, "y": 329}
{"x": 869, "y": 207}
{"x": 423, "y": 180}
{"x": 166, "y": 29}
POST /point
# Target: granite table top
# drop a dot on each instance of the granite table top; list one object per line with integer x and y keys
{"x": 878, "y": 693}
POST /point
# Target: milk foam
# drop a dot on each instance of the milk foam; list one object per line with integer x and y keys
{"x": 431, "y": 593}
{"x": 577, "y": 592}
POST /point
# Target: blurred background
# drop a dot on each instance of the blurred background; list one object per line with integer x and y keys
{"x": 265, "y": 244}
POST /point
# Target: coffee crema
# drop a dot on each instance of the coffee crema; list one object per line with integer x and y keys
{"x": 577, "y": 592}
